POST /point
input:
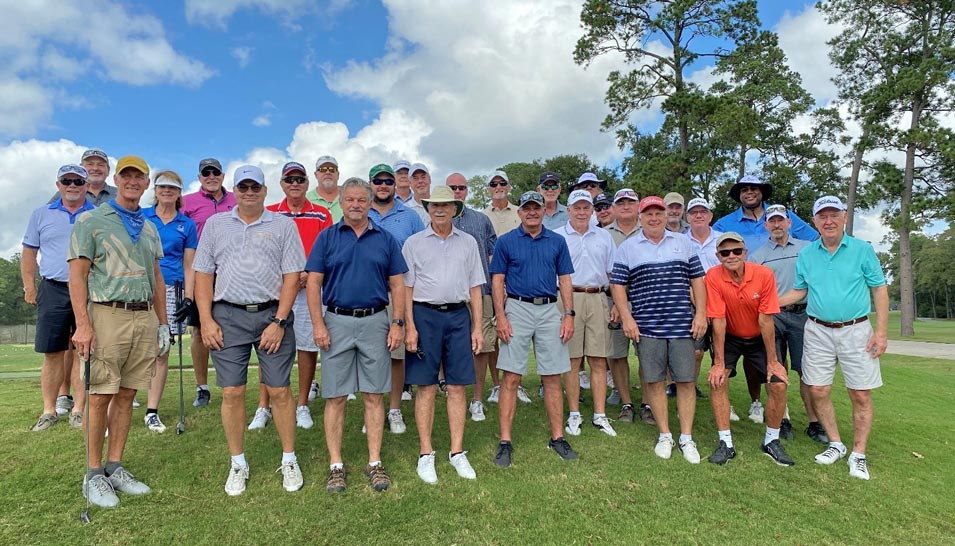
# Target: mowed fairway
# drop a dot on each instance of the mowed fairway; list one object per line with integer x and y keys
{"x": 617, "y": 493}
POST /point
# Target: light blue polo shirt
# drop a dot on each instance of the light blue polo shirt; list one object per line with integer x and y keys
{"x": 401, "y": 222}
{"x": 838, "y": 283}
{"x": 559, "y": 218}
{"x": 754, "y": 231}
{"x": 49, "y": 231}
{"x": 176, "y": 236}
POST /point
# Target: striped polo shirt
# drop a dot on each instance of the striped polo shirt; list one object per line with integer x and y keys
{"x": 657, "y": 277}
{"x": 310, "y": 221}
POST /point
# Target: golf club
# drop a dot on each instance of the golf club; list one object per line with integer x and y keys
{"x": 85, "y": 514}
{"x": 181, "y": 426}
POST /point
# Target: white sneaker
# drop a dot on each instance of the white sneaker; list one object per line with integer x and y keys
{"x": 462, "y": 465}
{"x": 124, "y": 482}
{"x": 477, "y": 411}
{"x": 303, "y": 418}
{"x": 396, "y": 422}
{"x": 406, "y": 395}
{"x": 495, "y": 394}
{"x": 351, "y": 397}
{"x": 291, "y": 476}
{"x": 604, "y": 425}
{"x": 63, "y": 405}
{"x": 100, "y": 491}
{"x": 859, "y": 467}
{"x": 610, "y": 384}
{"x": 235, "y": 484}
{"x": 573, "y": 425}
{"x": 313, "y": 391}
{"x": 260, "y": 419}
{"x": 664, "y": 448}
{"x": 522, "y": 395}
{"x": 756, "y": 412}
{"x": 153, "y": 423}
{"x": 733, "y": 415}
{"x": 584, "y": 380}
{"x": 690, "y": 452}
{"x": 426, "y": 468}
{"x": 136, "y": 404}
{"x": 830, "y": 455}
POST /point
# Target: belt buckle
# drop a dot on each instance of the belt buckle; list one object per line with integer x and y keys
{"x": 252, "y": 308}
{"x": 539, "y": 301}
{"x": 360, "y": 313}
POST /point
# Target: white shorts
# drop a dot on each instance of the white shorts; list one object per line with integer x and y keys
{"x": 823, "y": 346}
{"x": 302, "y": 324}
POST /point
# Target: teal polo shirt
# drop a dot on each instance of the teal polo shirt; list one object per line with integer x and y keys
{"x": 838, "y": 283}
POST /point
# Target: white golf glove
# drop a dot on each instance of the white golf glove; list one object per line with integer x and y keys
{"x": 164, "y": 339}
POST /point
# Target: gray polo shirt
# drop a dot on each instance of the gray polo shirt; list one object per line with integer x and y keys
{"x": 108, "y": 192}
{"x": 442, "y": 270}
{"x": 782, "y": 260}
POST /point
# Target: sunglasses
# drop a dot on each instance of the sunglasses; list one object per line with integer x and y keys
{"x": 72, "y": 181}
{"x": 734, "y": 251}
{"x": 210, "y": 172}
{"x": 496, "y": 184}
{"x": 242, "y": 188}
{"x": 601, "y": 207}
{"x": 327, "y": 169}
{"x": 458, "y": 188}
{"x": 385, "y": 181}
{"x": 588, "y": 186}
{"x": 295, "y": 180}
{"x": 550, "y": 187}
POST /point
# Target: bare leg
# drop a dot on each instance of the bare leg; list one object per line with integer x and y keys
{"x": 806, "y": 395}
{"x": 598, "y": 382}
{"x": 79, "y": 384}
{"x": 158, "y": 383}
{"x": 397, "y": 383}
{"x": 720, "y": 402}
{"x": 120, "y": 414}
{"x": 654, "y": 394}
{"x": 686, "y": 405}
{"x": 334, "y": 424}
{"x": 51, "y": 377}
{"x": 283, "y": 413}
{"x": 862, "y": 416}
{"x": 424, "y": 416}
{"x": 457, "y": 409}
{"x": 263, "y": 396}
{"x": 754, "y": 380}
{"x": 507, "y": 403}
{"x": 233, "y": 418}
{"x": 554, "y": 403}
{"x": 492, "y": 365}
{"x": 776, "y": 405}
{"x": 306, "y": 374}
{"x": 620, "y": 368}
{"x": 572, "y": 385}
{"x": 200, "y": 358}
{"x": 374, "y": 422}
{"x": 96, "y": 422}
{"x": 822, "y": 402}
{"x": 68, "y": 356}
{"x": 480, "y": 374}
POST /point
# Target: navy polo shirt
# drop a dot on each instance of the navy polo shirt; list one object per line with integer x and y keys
{"x": 176, "y": 236}
{"x": 356, "y": 268}
{"x": 531, "y": 265}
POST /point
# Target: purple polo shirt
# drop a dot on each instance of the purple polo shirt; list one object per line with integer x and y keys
{"x": 199, "y": 206}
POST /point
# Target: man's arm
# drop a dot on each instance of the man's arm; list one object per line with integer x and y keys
{"x": 477, "y": 317}
{"x": 717, "y": 375}
{"x": 620, "y": 303}
{"x": 210, "y": 331}
{"x": 395, "y": 332}
{"x": 794, "y": 296}
{"x": 567, "y": 298}
{"x": 159, "y": 294}
{"x": 877, "y": 343}
{"x": 28, "y": 269}
{"x": 411, "y": 331}
{"x": 313, "y": 295}
{"x": 498, "y": 295}
{"x": 767, "y": 329}
{"x": 188, "y": 255}
{"x": 698, "y": 294}
{"x": 79, "y": 298}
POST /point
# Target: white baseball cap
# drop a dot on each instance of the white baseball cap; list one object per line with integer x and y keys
{"x": 699, "y": 202}
{"x": 579, "y": 195}
{"x": 249, "y": 172}
{"x": 827, "y": 202}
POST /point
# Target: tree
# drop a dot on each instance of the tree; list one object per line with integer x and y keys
{"x": 478, "y": 196}
{"x": 13, "y": 310}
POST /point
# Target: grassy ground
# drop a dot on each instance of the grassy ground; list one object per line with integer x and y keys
{"x": 933, "y": 330}
{"x": 618, "y": 493}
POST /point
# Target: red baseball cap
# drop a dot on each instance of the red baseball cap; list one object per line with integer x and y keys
{"x": 652, "y": 201}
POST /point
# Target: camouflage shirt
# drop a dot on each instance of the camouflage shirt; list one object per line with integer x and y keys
{"x": 121, "y": 271}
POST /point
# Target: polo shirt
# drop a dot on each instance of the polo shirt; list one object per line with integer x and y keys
{"x": 531, "y": 265}
{"x": 405, "y": 201}
{"x": 418, "y": 209}
{"x": 504, "y": 219}
{"x": 478, "y": 225}
{"x": 49, "y": 231}
{"x": 310, "y": 221}
{"x": 619, "y": 236}
{"x": 684, "y": 227}
{"x": 591, "y": 254}
{"x": 199, "y": 206}
{"x": 108, "y": 192}
{"x": 782, "y": 260}
{"x": 334, "y": 206}
{"x": 356, "y": 269}
{"x": 754, "y": 231}
{"x": 399, "y": 221}
{"x": 249, "y": 260}
{"x": 442, "y": 270}
{"x": 176, "y": 236}
{"x": 657, "y": 277}
{"x": 741, "y": 304}
{"x": 838, "y": 283}
{"x": 707, "y": 249}
{"x": 559, "y": 218}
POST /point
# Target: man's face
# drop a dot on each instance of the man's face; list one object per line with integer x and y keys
{"x": 355, "y": 204}
{"x": 70, "y": 193}
{"x": 831, "y": 223}
{"x": 604, "y": 213}
{"x": 653, "y": 221}
{"x": 531, "y": 215}
{"x": 402, "y": 179}
{"x": 625, "y": 210}
{"x": 327, "y": 176}
{"x": 421, "y": 184}
{"x": 383, "y": 186}
{"x": 250, "y": 195}
{"x": 210, "y": 178}
{"x": 97, "y": 168}
{"x": 550, "y": 191}
{"x": 581, "y": 211}
{"x": 295, "y": 185}
{"x": 498, "y": 188}
{"x": 441, "y": 213}
{"x": 732, "y": 254}
{"x": 459, "y": 186}
{"x": 778, "y": 227}
{"x": 592, "y": 187}
{"x": 132, "y": 183}
{"x": 674, "y": 214}
{"x": 699, "y": 217}
{"x": 750, "y": 196}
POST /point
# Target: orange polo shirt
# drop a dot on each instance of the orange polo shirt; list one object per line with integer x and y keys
{"x": 741, "y": 304}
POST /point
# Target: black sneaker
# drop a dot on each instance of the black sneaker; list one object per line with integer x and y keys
{"x": 671, "y": 390}
{"x": 817, "y": 433}
{"x": 776, "y": 452}
{"x": 700, "y": 394}
{"x": 786, "y": 430}
{"x": 203, "y": 397}
{"x": 563, "y": 449}
{"x": 503, "y": 457}
{"x": 443, "y": 386}
{"x": 722, "y": 454}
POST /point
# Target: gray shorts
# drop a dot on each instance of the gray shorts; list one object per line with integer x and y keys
{"x": 657, "y": 355}
{"x": 540, "y": 324}
{"x": 241, "y": 332}
{"x": 358, "y": 358}
{"x": 304, "y": 341}
{"x": 619, "y": 344}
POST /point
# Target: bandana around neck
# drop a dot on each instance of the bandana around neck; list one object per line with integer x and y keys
{"x": 133, "y": 221}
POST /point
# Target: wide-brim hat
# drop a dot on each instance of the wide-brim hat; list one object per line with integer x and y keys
{"x": 764, "y": 187}
{"x": 588, "y": 178}
{"x": 444, "y": 194}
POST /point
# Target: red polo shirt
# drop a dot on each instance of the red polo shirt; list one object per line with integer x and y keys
{"x": 741, "y": 304}
{"x": 310, "y": 221}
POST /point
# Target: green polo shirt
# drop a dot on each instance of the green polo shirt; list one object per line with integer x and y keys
{"x": 334, "y": 207}
{"x": 838, "y": 283}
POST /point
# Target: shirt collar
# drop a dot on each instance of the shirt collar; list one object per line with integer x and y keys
{"x": 642, "y": 236}
{"x": 429, "y": 231}
{"x": 342, "y": 226}
{"x": 209, "y": 196}
{"x": 748, "y": 273}
{"x": 307, "y": 207}
{"x": 267, "y": 216}
{"x": 544, "y": 232}
{"x": 58, "y": 205}
{"x": 569, "y": 230}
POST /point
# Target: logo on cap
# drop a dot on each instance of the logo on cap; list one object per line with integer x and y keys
{"x": 72, "y": 169}
{"x": 579, "y": 195}
{"x": 531, "y": 197}
{"x": 827, "y": 202}
{"x": 625, "y": 193}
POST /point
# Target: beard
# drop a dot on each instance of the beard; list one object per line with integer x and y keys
{"x": 385, "y": 200}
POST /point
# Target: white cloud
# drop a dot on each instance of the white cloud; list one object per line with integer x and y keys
{"x": 243, "y": 54}
{"x": 217, "y": 12}
{"x": 25, "y": 105}
{"x": 803, "y": 38}
{"x": 262, "y": 121}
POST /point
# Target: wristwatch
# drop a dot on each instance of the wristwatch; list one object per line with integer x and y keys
{"x": 280, "y": 321}
{"x": 570, "y": 313}
{"x": 399, "y": 322}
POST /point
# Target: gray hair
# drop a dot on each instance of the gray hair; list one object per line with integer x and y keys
{"x": 356, "y": 182}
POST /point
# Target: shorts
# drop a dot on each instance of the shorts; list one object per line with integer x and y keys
{"x": 124, "y": 349}
{"x": 540, "y": 324}
{"x": 447, "y": 344}
{"x": 657, "y": 355}
{"x": 619, "y": 343}
{"x": 55, "y": 322}
{"x": 399, "y": 353}
{"x": 591, "y": 335}
{"x": 705, "y": 342}
{"x": 304, "y": 340}
{"x": 790, "y": 328}
{"x": 241, "y": 331}
{"x": 358, "y": 358}
{"x": 171, "y": 310}
{"x": 824, "y": 346}
{"x": 488, "y": 325}
{"x": 752, "y": 350}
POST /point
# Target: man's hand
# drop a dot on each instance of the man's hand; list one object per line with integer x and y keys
{"x": 717, "y": 375}
{"x": 477, "y": 340}
{"x": 503, "y": 328}
{"x": 271, "y": 338}
{"x": 630, "y": 328}
{"x": 876, "y": 346}
{"x": 29, "y": 294}
{"x": 185, "y": 310}
{"x": 566, "y": 328}
{"x": 321, "y": 337}
{"x": 212, "y": 335}
{"x": 773, "y": 367}
{"x": 614, "y": 315}
{"x": 698, "y": 328}
{"x": 164, "y": 339}
{"x": 83, "y": 339}
{"x": 302, "y": 279}
{"x": 411, "y": 339}
{"x": 394, "y": 337}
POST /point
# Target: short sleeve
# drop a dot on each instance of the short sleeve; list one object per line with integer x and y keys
{"x": 407, "y": 252}
{"x": 82, "y": 243}
{"x": 565, "y": 265}
{"x": 474, "y": 262}
{"x": 871, "y": 267}
{"x": 769, "y": 303}
{"x": 192, "y": 235}
{"x": 316, "y": 258}
{"x": 715, "y": 305}
{"x": 293, "y": 255}
{"x": 31, "y": 238}
{"x": 620, "y": 271}
{"x": 204, "y": 261}
{"x": 498, "y": 265}
{"x": 801, "y": 282}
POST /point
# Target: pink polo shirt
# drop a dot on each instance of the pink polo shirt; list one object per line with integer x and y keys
{"x": 199, "y": 206}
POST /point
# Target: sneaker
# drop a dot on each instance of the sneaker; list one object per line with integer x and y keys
{"x": 614, "y": 397}
{"x": 610, "y": 384}
{"x": 603, "y": 424}
{"x": 291, "y": 476}
{"x": 336, "y": 480}
{"x": 351, "y": 397}
{"x": 406, "y": 394}
{"x": 646, "y": 415}
{"x": 495, "y": 394}
{"x": 462, "y": 465}
{"x": 443, "y": 387}
{"x": 45, "y": 421}
{"x": 396, "y": 422}
{"x": 64, "y": 403}
{"x": 690, "y": 453}
{"x": 203, "y": 396}
{"x": 503, "y": 456}
{"x": 523, "y": 396}
{"x": 563, "y": 449}
{"x": 626, "y": 414}
{"x": 124, "y": 482}
{"x": 756, "y": 412}
{"x": 235, "y": 484}
{"x": 303, "y": 418}
{"x": 260, "y": 419}
{"x": 477, "y": 411}
{"x": 153, "y": 423}
{"x": 136, "y": 404}
{"x": 76, "y": 419}
{"x": 671, "y": 390}
{"x": 379, "y": 478}
{"x": 830, "y": 455}
{"x": 314, "y": 391}
{"x": 99, "y": 491}
{"x": 722, "y": 454}
{"x": 859, "y": 468}
{"x": 817, "y": 433}
{"x": 572, "y": 426}
{"x": 540, "y": 391}
{"x": 426, "y": 468}
{"x": 786, "y": 430}
{"x": 733, "y": 415}
{"x": 664, "y": 448}
{"x": 584, "y": 379}
{"x": 776, "y": 452}
{"x": 700, "y": 394}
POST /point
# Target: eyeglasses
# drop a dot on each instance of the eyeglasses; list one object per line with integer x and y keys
{"x": 698, "y": 211}
{"x": 458, "y": 188}
{"x": 210, "y": 172}
{"x": 588, "y": 186}
{"x": 242, "y": 188}
{"x": 295, "y": 180}
{"x": 72, "y": 181}
{"x": 496, "y": 184}
{"x": 550, "y": 187}
{"x": 385, "y": 181}
{"x": 734, "y": 251}
{"x": 601, "y": 207}
{"x": 331, "y": 169}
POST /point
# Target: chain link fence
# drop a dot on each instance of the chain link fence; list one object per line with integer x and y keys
{"x": 17, "y": 333}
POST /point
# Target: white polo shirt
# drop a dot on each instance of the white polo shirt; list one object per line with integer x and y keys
{"x": 591, "y": 253}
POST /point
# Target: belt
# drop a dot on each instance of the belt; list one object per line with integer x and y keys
{"x": 839, "y": 324}
{"x": 252, "y": 307}
{"x": 56, "y": 282}
{"x": 359, "y": 313}
{"x": 127, "y": 305}
{"x": 794, "y": 308}
{"x": 443, "y": 306}
{"x": 589, "y": 289}
{"x": 542, "y": 300}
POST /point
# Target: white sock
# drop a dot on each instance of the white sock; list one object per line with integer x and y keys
{"x": 297, "y": 407}
{"x": 599, "y": 415}
{"x": 856, "y": 455}
{"x": 288, "y": 457}
{"x": 684, "y": 438}
{"x": 771, "y": 434}
{"x": 202, "y": 388}
{"x": 339, "y": 466}
{"x": 838, "y": 445}
{"x": 374, "y": 463}
{"x": 239, "y": 460}
{"x": 391, "y": 411}
{"x": 786, "y": 414}
{"x": 665, "y": 436}
{"x": 726, "y": 436}
{"x": 574, "y": 414}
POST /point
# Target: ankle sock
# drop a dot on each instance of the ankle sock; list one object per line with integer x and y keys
{"x": 339, "y": 466}
{"x": 239, "y": 460}
{"x": 152, "y": 410}
{"x": 684, "y": 438}
{"x": 726, "y": 436}
{"x": 202, "y": 388}
{"x": 454, "y": 454}
{"x": 90, "y": 472}
{"x": 771, "y": 434}
{"x": 288, "y": 457}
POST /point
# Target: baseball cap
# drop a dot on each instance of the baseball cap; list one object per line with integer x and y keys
{"x": 579, "y": 195}
{"x": 167, "y": 181}
{"x": 293, "y": 166}
{"x": 773, "y": 211}
{"x": 730, "y": 236}
{"x": 325, "y": 159}
{"x": 415, "y": 167}
{"x": 133, "y": 161}
{"x": 95, "y": 152}
{"x": 625, "y": 193}
{"x": 673, "y": 197}
{"x": 210, "y": 162}
{"x": 501, "y": 174}
{"x": 380, "y": 168}
{"x": 699, "y": 202}
{"x": 602, "y": 198}
{"x": 530, "y": 197}
{"x": 549, "y": 177}
{"x": 651, "y": 201}
{"x": 401, "y": 164}
{"x": 248, "y": 172}
{"x": 827, "y": 202}
{"x": 72, "y": 169}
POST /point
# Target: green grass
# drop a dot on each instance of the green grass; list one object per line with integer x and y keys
{"x": 618, "y": 493}
{"x": 933, "y": 330}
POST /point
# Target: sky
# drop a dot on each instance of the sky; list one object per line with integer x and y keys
{"x": 460, "y": 86}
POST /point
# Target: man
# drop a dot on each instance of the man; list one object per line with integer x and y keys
{"x": 753, "y": 195}
{"x": 326, "y": 193}
{"x": 528, "y": 260}
{"x": 779, "y": 254}
{"x": 403, "y": 191}
{"x": 47, "y": 236}
{"x": 350, "y": 270}
{"x": 590, "y": 183}
{"x": 116, "y": 289}
{"x": 591, "y": 252}
{"x": 444, "y": 279}
{"x": 603, "y": 209}
{"x": 555, "y": 214}
{"x": 421, "y": 183}
{"x": 675, "y": 223}
{"x": 96, "y": 163}
{"x": 479, "y": 226}
{"x": 501, "y": 212}
{"x": 390, "y": 215}
{"x": 247, "y": 267}
{"x": 212, "y": 198}
{"x": 310, "y": 219}
{"x": 840, "y": 273}
{"x": 656, "y": 282}
{"x": 741, "y": 300}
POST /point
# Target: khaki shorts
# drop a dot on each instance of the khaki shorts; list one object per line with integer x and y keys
{"x": 124, "y": 351}
{"x": 591, "y": 335}
{"x": 489, "y": 326}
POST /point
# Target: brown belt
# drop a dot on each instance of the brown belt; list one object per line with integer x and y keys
{"x": 127, "y": 305}
{"x": 589, "y": 289}
{"x": 839, "y": 324}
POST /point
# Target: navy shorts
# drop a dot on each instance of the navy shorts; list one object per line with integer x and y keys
{"x": 55, "y": 322}
{"x": 444, "y": 337}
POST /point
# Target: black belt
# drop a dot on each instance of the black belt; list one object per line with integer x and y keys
{"x": 443, "y": 306}
{"x": 252, "y": 307}
{"x": 794, "y": 308}
{"x": 127, "y": 305}
{"x": 56, "y": 282}
{"x": 589, "y": 289}
{"x": 542, "y": 300}
{"x": 359, "y": 313}
{"x": 839, "y": 324}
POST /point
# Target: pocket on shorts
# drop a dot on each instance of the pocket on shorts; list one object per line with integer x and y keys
{"x": 101, "y": 372}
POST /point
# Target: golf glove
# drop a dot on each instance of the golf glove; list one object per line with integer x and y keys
{"x": 187, "y": 313}
{"x": 164, "y": 338}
